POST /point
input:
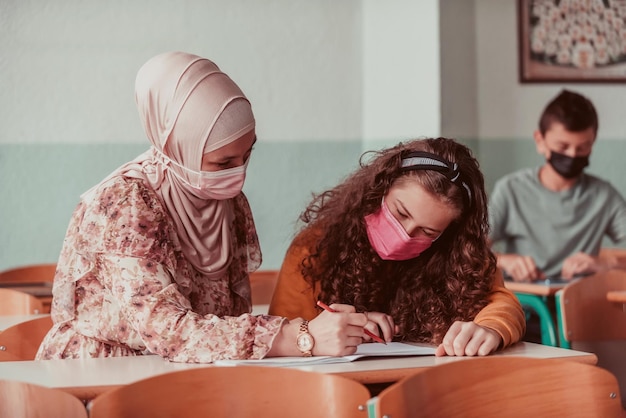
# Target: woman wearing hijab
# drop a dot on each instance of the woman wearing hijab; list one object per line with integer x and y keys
{"x": 157, "y": 256}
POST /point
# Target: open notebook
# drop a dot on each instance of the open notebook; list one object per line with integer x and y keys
{"x": 363, "y": 350}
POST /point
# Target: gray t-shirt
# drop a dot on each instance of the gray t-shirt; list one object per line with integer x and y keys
{"x": 528, "y": 219}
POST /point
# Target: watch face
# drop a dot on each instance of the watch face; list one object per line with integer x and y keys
{"x": 305, "y": 342}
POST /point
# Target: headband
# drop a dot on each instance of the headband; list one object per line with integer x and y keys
{"x": 419, "y": 160}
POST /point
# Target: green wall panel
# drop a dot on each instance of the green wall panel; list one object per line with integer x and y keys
{"x": 40, "y": 184}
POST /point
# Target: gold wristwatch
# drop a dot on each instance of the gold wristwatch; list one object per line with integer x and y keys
{"x": 304, "y": 340}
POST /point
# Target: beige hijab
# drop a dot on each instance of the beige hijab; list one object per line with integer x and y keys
{"x": 189, "y": 107}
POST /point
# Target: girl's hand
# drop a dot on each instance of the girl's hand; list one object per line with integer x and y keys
{"x": 380, "y": 324}
{"x": 468, "y": 339}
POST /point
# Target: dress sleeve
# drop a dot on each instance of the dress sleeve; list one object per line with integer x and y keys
{"x": 293, "y": 296}
{"x": 166, "y": 323}
{"x": 503, "y": 314}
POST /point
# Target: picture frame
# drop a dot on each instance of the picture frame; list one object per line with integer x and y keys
{"x": 573, "y": 41}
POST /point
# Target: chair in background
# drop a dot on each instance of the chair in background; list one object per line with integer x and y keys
{"x": 262, "y": 284}
{"x": 25, "y": 400}
{"x": 502, "y": 387}
{"x": 35, "y": 279}
{"x": 32, "y": 273}
{"x": 21, "y": 341}
{"x": 242, "y": 391}
{"x": 15, "y": 302}
{"x": 591, "y": 323}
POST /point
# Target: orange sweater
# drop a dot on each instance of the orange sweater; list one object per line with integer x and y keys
{"x": 294, "y": 297}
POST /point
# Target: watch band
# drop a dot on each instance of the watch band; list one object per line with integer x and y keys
{"x": 304, "y": 340}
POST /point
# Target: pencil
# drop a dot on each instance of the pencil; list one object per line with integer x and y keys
{"x": 371, "y": 334}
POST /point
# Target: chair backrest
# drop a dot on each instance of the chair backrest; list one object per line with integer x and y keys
{"x": 21, "y": 341}
{"x": 502, "y": 387}
{"x": 15, "y": 302}
{"x": 586, "y": 313}
{"x": 242, "y": 391}
{"x": 262, "y": 284}
{"x": 26, "y": 400}
{"x": 34, "y": 273}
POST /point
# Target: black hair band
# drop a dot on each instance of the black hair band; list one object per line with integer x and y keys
{"x": 420, "y": 160}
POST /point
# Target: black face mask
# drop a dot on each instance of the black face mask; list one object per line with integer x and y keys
{"x": 568, "y": 167}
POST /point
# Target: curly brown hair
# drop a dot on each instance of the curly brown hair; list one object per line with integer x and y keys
{"x": 450, "y": 281}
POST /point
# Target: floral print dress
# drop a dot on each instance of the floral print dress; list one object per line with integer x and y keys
{"x": 123, "y": 286}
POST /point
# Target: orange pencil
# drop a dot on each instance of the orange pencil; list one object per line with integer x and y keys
{"x": 329, "y": 309}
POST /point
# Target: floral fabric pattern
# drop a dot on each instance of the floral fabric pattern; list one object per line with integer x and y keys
{"x": 123, "y": 286}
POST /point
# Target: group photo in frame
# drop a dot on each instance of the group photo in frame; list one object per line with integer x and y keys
{"x": 572, "y": 40}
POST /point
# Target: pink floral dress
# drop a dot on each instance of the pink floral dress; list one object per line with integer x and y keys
{"x": 123, "y": 287}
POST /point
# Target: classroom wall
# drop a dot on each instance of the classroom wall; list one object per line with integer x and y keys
{"x": 311, "y": 69}
{"x": 483, "y": 101}
{"x": 327, "y": 79}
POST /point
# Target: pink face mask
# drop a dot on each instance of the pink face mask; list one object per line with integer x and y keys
{"x": 217, "y": 185}
{"x": 390, "y": 240}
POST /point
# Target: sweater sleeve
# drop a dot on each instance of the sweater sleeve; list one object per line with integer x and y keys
{"x": 503, "y": 314}
{"x": 293, "y": 296}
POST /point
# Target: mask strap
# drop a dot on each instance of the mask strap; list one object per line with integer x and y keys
{"x": 419, "y": 160}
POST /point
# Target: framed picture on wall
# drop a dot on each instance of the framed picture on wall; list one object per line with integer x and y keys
{"x": 573, "y": 41}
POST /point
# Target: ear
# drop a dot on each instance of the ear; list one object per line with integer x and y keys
{"x": 540, "y": 144}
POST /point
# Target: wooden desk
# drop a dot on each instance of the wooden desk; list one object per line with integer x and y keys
{"x": 86, "y": 378}
{"x": 535, "y": 288}
{"x": 536, "y": 295}
{"x": 7, "y": 321}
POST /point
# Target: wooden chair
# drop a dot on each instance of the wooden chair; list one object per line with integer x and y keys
{"x": 21, "y": 341}
{"x": 502, "y": 387}
{"x": 32, "y": 273}
{"x": 26, "y": 400}
{"x": 262, "y": 284}
{"x": 591, "y": 323}
{"x": 34, "y": 278}
{"x": 586, "y": 314}
{"x": 242, "y": 391}
{"x": 15, "y": 302}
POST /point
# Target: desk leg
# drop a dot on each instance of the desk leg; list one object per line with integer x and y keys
{"x": 563, "y": 342}
{"x": 536, "y": 303}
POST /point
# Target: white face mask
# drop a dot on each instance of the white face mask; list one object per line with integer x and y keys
{"x": 218, "y": 185}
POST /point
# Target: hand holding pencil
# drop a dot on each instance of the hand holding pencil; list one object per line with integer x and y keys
{"x": 368, "y": 332}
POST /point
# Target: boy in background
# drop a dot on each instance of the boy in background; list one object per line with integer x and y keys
{"x": 552, "y": 219}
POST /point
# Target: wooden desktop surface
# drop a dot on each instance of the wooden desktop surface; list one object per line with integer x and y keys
{"x": 534, "y": 288}
{"x": 86, "y": 378}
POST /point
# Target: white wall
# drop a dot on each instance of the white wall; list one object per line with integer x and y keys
{"x": 508, "y": 109}
{"x": 67, "y": 67}
{"x": 459, "y": 95}
{"x": 401, "y": 81}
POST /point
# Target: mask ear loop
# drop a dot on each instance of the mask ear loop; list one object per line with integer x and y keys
{"x": 420, "y": 160}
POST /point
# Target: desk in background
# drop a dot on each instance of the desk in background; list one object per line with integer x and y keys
{"x": 87, "y": 378}
{"x": 536, "y": 296}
